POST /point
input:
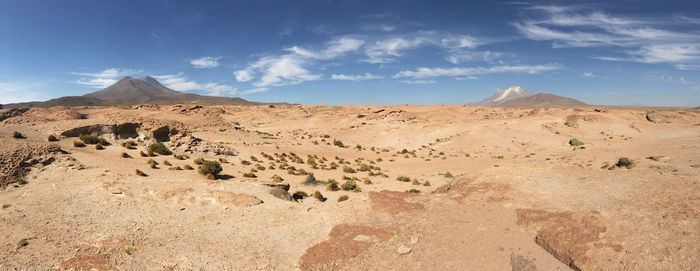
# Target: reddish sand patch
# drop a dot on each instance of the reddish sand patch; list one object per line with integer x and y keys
{"x": 393, "y": 202}
{"x": 567, "y": 236}
{"x": 97, "y": 262}
{"x": 344, "y": 242}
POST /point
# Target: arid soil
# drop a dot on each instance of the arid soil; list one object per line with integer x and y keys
{"x": 435, "y": 188}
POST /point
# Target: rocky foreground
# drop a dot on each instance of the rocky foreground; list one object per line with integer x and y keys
{"x": 346, "y": 188}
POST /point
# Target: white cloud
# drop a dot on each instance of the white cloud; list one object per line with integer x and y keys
{"x": 291, "y": 68}
{"x": 418, "y": 82}
{"x": 688, "y": 67}
{"x": 253, "y": 91}
{"x": 181, "y": 83}
{"x": 355, "y": 77}
{"x": 277, "y": 71}
{"x": 424, "y": 72}
{"x": 642, "y": 40}
{"x": 383, "y": 51}
{"x": 334, "y": 49}
{"x": 103, "y": 78}
{"x": 206, "y": 62}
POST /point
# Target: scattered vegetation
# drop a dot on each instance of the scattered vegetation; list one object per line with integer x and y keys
{"x": 158, "y": 148}
{"x": 575, "y": 142}
{"x": 413, "y": 190}
{"x": 17, "y": 135}
{"x": 298, "y": 195}
{"x": 52, "y": 138}
{"x": 347, "y": 169}
{"x": 625, "y": 162}
{"x": 448, "y": 175}
{"x": 343, "y": 198}
{"x": 143, "y": 154}
{"x": 210, "y": 167}
{"x": 317, "y": 195}
{"x": 129, "y": 144}
{"x": 403, "y": 179}
{"x": 249, "y": 175}
{"x": 140, "y": 173}
{"x": 93, "y": 139}
{"x": 187, "y": 167}
{"x": 78, "y": 144}
{"x": 311, "y": 180}
{"x": 99, "y": 146}
{"x": 350, "y": 185}
{"x": 199, "y": 161}
{"x": 338, "y": 143}
{"x": 332, "y": 185}
{"x": 22, "y": 243}
{"x": 426, "y": 183}
{"x": 167, "y": 163}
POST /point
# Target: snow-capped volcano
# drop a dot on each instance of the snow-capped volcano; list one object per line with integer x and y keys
{"x": 503, "y": 95}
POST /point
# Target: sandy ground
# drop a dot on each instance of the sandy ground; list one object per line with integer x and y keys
{"x": 500, "y": 189}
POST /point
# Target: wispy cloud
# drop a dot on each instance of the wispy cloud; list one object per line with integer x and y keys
{"x": 180, "y": 82}
{"x": 383, "y": 51}
{"x": 418, "y": 82}
{"x": 355, "y": 77}
{"x": 424, "y": 72}
{"x": 291, "y": 68}
{"x": 103, "y": 78}
{"x": 640, "y": 39}
{"x": 206, "y": 62}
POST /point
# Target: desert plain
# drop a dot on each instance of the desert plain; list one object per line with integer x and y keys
{"x": 394, "y": 188}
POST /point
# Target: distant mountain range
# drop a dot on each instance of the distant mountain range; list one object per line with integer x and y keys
{"x": 517, "y": 96}
{"x": 132, "y": 91}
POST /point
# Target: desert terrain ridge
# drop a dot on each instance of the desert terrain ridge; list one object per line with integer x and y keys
{"x": 435, "y": 188}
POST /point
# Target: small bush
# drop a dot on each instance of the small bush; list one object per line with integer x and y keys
{"x": 343, "y": 198}
{"x": 250, "y": 175}
{"x": 165, "y": 162}
{"x": 211, "y": 176}
{"x": 22, "y": 243}
{"x": 21, "y": 181}
{"x": 575, "y": 142}
{"x": 338, "y": 143}
{"x": 310, "y": 180}
{"x": 125, "y": 155}
{"x": 52, "y": 138}
{"x": 78, "y": 144}
{"x": 99, "y": 146}
{"x": 17, "y": 135}
{"x": 367, "y": 181}
{"x": 140, "y": 173}
{"x": 413, "y": 190}
{"x": 187, "y": 167}
{"x": 347, "y": 169}
{"x": 208, "y": 167}
{"x": 93, "y": 139}
{"x": 415, "y": 182}
{"x": 199, "y": 161}
{"x": 143, "y": 154}
{"x": 332, "y": 187}
{"x": 129, "y": 144}
{"x": 158, "y": 148}
{"x": 448, "y": 175}
{"x": 403, "y": 179}
{"x": 625, "y": 162}
{"x": 426, "y": 183}
{"x": 349, "y": 185}
{"x": 277, "y": 179}
{"x": 298, "y": 195}
{"x": 317, "y": 195}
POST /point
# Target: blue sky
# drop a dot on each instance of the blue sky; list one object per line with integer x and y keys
{"x": 356, "y": 52}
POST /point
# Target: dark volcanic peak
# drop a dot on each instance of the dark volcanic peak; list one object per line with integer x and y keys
{"x": 131, "y": 91}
